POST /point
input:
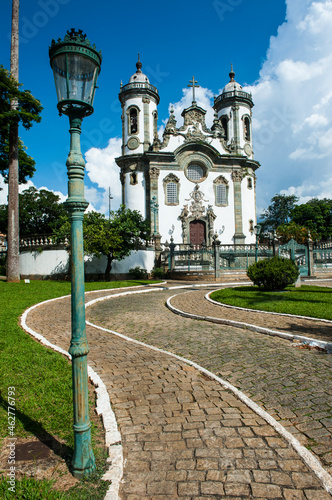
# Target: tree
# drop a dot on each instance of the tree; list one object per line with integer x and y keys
{"x": 292, "y": 230}
{"x": 316, "y": 216}
{"x": 116, "y": 238}
{"x": 278, "y": 212}
{"x": 40, "y": 213}
{"x": 28, "y": 111}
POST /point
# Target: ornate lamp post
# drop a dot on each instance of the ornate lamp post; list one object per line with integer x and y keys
{"x": 257, "y": 230}
{"x": 76, "y": 66}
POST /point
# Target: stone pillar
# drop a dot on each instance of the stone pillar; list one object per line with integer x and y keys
{"x": 236, "y": 129}
{"x": 153, "y": 191}
{"x": 239, "y": 237}
{"x": 146, "y": 118}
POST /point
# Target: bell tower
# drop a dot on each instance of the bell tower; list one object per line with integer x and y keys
{"x": 233, "y": 107}
{"x": 139, "y": 100}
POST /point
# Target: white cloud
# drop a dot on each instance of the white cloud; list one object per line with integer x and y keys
{"x": 23, "y": 187}
{"x": 103, "y": 171}
{"x": 292, "y": 117}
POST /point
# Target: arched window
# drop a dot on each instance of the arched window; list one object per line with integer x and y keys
{"x": 171, "y": 188}
{"x": 249, "y": 180}
{"x": 155, "y": 123}
{"x": 246, "y": 128}
{"x": 133, "y": 119}
{"x": 224, "y": 124}
{"x": 133, "y": 178}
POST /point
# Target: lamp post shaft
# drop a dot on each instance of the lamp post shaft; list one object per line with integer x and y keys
{"x": 83, "y": 459}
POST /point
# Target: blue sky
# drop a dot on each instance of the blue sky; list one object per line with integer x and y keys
{"x": 178, "y": 39}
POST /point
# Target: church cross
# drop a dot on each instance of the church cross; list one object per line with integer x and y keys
{"x": 193, "y": 82}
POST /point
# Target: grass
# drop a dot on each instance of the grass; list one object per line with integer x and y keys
{"x": 312, "y": 301}
{"x": 41, "y": 377}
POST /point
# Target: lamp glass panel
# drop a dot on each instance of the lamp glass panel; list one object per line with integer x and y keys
{"x": 75, "y": 77}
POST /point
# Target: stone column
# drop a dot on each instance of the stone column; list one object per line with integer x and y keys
{"x": 235, "y": 110}
{"x": 146, "y": 118}
{"x": 239, "y": 237}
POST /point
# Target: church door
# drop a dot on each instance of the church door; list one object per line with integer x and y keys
{"x": 197, "y": 232}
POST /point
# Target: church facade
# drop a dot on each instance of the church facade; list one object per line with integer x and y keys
{"x": 195, "y": 182}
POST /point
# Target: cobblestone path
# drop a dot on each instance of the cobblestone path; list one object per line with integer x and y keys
{"x": 183, "y": 435}
{"x": 292, "y": 385}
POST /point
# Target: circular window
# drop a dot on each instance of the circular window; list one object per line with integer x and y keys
{"x": 194, "y": 172}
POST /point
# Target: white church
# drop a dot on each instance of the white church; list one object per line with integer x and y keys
{"x": 195, "y": 182}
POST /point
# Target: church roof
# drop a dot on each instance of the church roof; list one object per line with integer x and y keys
{"x": 139, "y": 76}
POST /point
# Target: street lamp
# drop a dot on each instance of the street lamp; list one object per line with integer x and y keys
{"x": 76, "y": 66}
{"x": 257, "y": 230}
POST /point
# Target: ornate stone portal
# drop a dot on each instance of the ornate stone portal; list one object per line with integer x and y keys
{"x": 197, "y": 211}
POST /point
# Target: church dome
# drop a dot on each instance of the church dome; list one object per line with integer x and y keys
{"x": 232, "y": 84}
{"x": 139, "y": 77}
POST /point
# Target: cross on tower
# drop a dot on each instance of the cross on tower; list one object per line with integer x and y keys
{"x": 192, "y": 82}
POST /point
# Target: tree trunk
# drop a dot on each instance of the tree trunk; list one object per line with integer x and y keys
{"x": 108, "y": 267}
{"x": 13, "y": 257}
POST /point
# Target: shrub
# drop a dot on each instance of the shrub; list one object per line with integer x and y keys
{"x": 158, "y": 273}
{"x": 273, "y": 274}
{"x": 138, "y": 273}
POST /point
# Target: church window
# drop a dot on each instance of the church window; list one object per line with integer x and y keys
{"x": 224, "y": 124}
{"x": 171, "y": 188}
{"x": 132, "y": 114}
{"x": 194, "y": 172}
{"x": 133, "y": 178}
{"x": 221, "y": 191}
{"x": 249, "y": 183}
{"x": 221, "y": 194}
{"x": 171, "y": 192}
{"x": 246, "y": 128}
{"x": 155, "y": 122}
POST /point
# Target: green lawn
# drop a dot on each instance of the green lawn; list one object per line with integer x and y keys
{"x": 41, "y": 377}
{"x": 313, "y": 301}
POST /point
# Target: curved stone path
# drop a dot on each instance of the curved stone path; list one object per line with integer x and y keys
{"x": 183, "y": 434}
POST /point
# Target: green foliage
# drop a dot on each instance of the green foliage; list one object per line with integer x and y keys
{"x": 138, "y": 273}
{"x": 294, "y": 231}
{"x": 278, "y": 212}
{"x": 158, "y": 273}
{"x": 273, "y": 274}
{"x": 297, "y": 221}
{"x": 313, "y": 301}
{"x": 40, "y": 213}
{"x": 116, "y": 238}
{"x": 27, "y": 111}
{"x": 316, "y": 216}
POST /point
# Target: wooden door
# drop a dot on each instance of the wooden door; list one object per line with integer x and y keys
{"x": 197, "y": 232}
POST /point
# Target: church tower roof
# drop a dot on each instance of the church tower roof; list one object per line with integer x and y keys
{"x": 139, "y": 76}
{"x": 232, "y": 84}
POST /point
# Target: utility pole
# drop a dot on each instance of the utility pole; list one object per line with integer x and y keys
{"x": 109, "y": 203}
{"x": 13, "y": 255}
